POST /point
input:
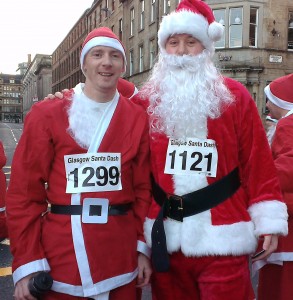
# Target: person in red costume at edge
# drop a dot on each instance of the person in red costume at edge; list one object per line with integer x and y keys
{"x": 215, "y": 187}
{"x": 275, "y": 277}
{"x": 87, "y": 155}
{"x": 3, "y": 226}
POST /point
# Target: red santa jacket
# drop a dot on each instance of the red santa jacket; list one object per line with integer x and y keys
{"x": 104, "y": 256}
{"x": 232, "y": 227}
{"x": 282, "y": 149}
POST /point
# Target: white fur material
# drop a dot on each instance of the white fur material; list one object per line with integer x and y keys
{"x": 277, "y": 101}
{"x": 196, "y": 236}
{"x": 269, "y": 217}
{"x": 190, "y": 23}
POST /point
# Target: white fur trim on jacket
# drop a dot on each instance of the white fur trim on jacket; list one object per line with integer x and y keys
{"x": 269, "y": 217}
{"x": 190, "y": 23}
{"x": 196, "y": 236}
{"x": 29, "y": 268}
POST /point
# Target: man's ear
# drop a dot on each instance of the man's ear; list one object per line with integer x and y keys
{"x": 85, "y": 70}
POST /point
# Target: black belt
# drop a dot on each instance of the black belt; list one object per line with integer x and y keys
{"x": 95, "y": 210}
{"x": 179, "y": 207}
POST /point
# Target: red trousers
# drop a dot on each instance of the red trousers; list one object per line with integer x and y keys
{"x": 275, "y": 282}
{"x": 204, "y": 278}
{"x": 125, "y": 292}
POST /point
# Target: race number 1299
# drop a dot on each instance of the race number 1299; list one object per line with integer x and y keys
{"x": 93, "y": 172}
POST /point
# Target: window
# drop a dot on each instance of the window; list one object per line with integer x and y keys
{"x": 290, "y": 31}
{"x": 220, "y": 18}
{"x": 100, "y": 17}
{"x": 141, "y": 25}
{"x": 152, "y": 53}
{"x": 153, "y": 9}
{"x": 253, "y": 27}
{"x": 120, "y": 29}
{"x": 235, "y": 32}
{"x": 113, "y": 5}
{"x": 131, "y": 63}
{"x": 166, "y": 7}
{"x": 131, "y": 21}
{"x": 141, "y": 58}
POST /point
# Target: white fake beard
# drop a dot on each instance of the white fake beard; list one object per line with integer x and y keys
{"x": 83, "y": 120}
{"x": 183, "y": 92}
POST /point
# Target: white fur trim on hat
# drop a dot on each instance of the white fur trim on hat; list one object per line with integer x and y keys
{"x": 101, "y": 41}
{"x": 277, "y": 101}
{"x": 189, "y": 23}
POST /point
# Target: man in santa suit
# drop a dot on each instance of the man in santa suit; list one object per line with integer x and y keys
{"x": 215, "y": 185}
{"x": 275, "y": 278}
{"x": 87, "y": 156}
{"x": 3, "y": 226}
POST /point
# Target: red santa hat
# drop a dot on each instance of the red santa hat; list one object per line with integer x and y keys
{"x": 192, "y": 17}
{"x": 280, "y": 92}
{"x": 101, "y": 36}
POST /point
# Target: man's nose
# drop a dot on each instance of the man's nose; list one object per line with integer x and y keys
{"x": 107, "y": 60}
{"x": 182, "y": 49}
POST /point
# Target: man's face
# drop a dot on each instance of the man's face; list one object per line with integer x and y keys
{"x": 103, "y": 66}
{"x": 275, "y": 111}
{"x": 180, "y": 44}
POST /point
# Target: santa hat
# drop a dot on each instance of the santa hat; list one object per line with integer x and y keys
{"x": 192, "y": 17}
{"x": 280, "y": 93}
{"x": 102, "y": 36}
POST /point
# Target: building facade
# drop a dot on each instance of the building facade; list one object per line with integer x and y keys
{"x": 257, "y": 46}
{"x": 37, "y": 81}
{"x": 10, "y": 98}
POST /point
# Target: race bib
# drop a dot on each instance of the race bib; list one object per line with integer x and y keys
{"x": 93, "y": 172}
{"x": 192, "y": 156}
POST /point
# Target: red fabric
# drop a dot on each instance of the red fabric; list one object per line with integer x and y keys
{"x": 125, "y": 292}
{"x": 3, "y": 227}
{"x": 39, "y": 158}
{"x": 101, "y": 32}
{"x": 275, "y": 282}
{"x": 204, "y": 278}
{"x": 198, "y": 7}
{"x": 282, "y": 88}
{"x": 126, "y": 88}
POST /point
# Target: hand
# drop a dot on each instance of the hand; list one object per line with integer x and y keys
{"x": 21, "y": 291}
{"x": 57, "y": 94}
{"x": 144, "y": 270}
{"x": 270, "y": 244}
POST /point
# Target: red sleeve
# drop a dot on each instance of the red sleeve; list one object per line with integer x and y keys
{"x": 282, "y": 148}
{"x": 141, "y": 181}
{"x": 26, "y": 195}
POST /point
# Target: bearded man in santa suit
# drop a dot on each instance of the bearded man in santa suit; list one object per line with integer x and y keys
{"x": 215, "y": 185}
{"x": 275, "y": 277}
{"x": 87, "y": 155}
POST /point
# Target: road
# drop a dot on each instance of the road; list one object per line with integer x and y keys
{"x": 10, "y": 134}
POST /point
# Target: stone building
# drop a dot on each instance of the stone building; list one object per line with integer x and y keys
{"x": 37, "y": 81}
{"x": 10, "y": 98}
{"x": 257, "y": 46}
